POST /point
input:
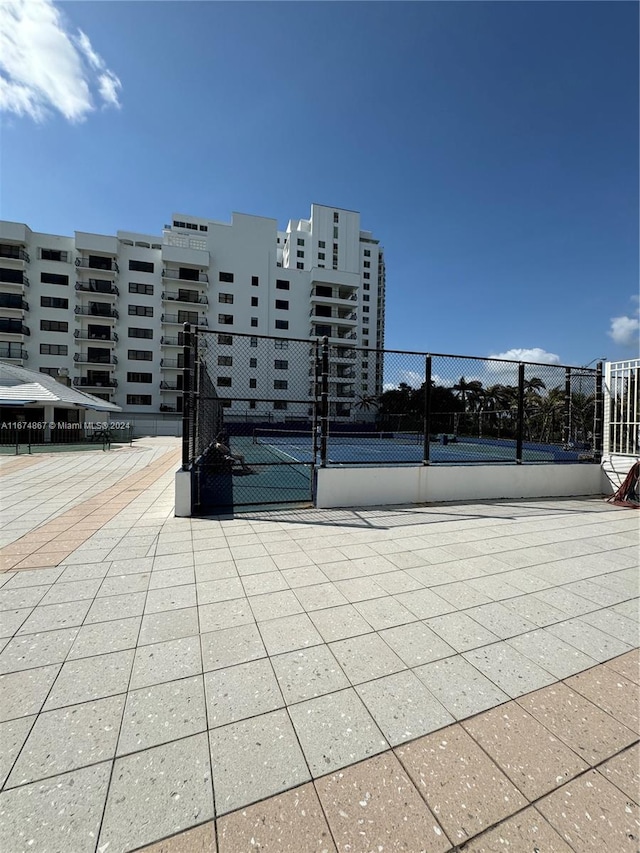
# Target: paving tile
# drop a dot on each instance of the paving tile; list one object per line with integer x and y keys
{"x": 501, "y": 621}
{"x": 592, "y": 815}
{"x": 75, "y": 574}
{"x": 460, "y": 784}
{"x": 526, "y": 831}
{"x": 23, "y": 693}
{"x": 600, "y": 593}
{"x": 31, "y": 650}
{"x": 530, "y": 607}
{"x": 225, "y": 614}
{"x": 396, "y": 582}
{"x": 342, "y": 570}
{"x": 365, "y": 657}
{"x": 289, "y": 633}
{"x": 424, "y": 603}
{"x": 263, "y": 583}
{"x": 508, "y": 669}
{"x": 551, "y": 653}
{"x": 563, "y": 599}
{"x": 156, "y": 793}
{"x": 172, "y": 561}
{"x": 27, "y": 596}
{"x": 255, "y": 565}
{"x": 90, "y": 678}
{"x": 11, "y": 620}
{"x": 303, "y": 576}
{"x": 529, "y": 755}
{"x": 432, "y": 575}
{"x": 402, "y": 707}
{"x": 359, "y": 589}
{"x": 130, "y": 566}
{"x": 159, "y": 662}
{"x": 231, "y": 646}
{"x": 461, "y": 595}
{"x": 38, "y": 577}
{"x": 287, "y": 823}
{"x": 307, "y": 673}
{"x": 592, "y": 733}
{"x": 172, "y": 577}
{"x": 384, "y": 612}
{"x": 254, "y": 759}
{"x": 338, "y": 623}
{"x": 627, "y": 665}
{"x": 201, "y": 839}
{"x": 460, "y": 687}
{"x": 170, "y": 598}
{"x": 416, "y": 643}
{"x": 375, "y": 806}
{"x": 168, "y": 625}
{"x": 335, "y": 730}
{"x": 52, "y": 616}
{"x": 614, "y": 624}
{"x": 241, "y": 691}
{"x": 590, "y": 640}
{"x": 124, "y": 584}
{"x": 624, "y": 771}
{"x": 13, "y": 734}
{"x": 610, "y": 691}
{"x": 116, "y": 607}
{"x": 224, "y": 589}
{"x": 59, "y": 814}
{"x": 207, "y": 571}
{"x": 319, "y": 596}
{"x": 69, "y": 738}
{"x": 495, "y": 587}
{"x": 630, "y": 609}
{"x": 460, "y": 631}
{"x": 162, "y": 713}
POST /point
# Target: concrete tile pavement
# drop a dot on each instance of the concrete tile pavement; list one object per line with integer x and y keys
{"x": 285, "y": 650}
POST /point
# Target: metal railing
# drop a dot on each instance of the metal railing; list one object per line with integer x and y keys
{"x": 195, "y": 299}
{"x": 174, "y": 275}
{"x": 96, "y": 286}
{"x": 85, "y": 358}
{"x": 622, "y": 408}
{"x": 90, "y": 311}
{"x": 11, "y": 353}
{"x": 104, "y": 265}
{"x": 86, "y": 382}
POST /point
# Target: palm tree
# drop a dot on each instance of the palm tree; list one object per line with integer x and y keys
{"x": 469, "y": 392}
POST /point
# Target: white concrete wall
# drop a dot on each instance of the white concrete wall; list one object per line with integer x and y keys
{"x": 183, "y": 494}
{"x": 341, "y": 487}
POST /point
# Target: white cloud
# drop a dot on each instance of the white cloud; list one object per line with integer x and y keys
{"x": 624, "y": 330}
{"x": 45, "y": 67}
{"x": 533, "y": 354}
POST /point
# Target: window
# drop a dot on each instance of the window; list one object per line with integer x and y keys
{"x": 300, "y": 253}
{"x": 138, "y": 399}
{"x": 335, "y": 233}
{"x": 226, "y": 298}
{"x": 54, "y": 255}
{"x": 335, "y": 248}
{"x": 367, "y": 264}
{"x": 254, "y": 322}
{"x": 225, "y": 340}
{"x": 280, "y": 364}
{"x": 300, "y": 241}
{"x": 140, "y": 377}
{"x": 322, "y": 244}
{"x": 252, "y": 404}
{"x": 11, "y": 300}
{"x": 253, "y": 362}
{"x": 367, "y": 253}
{"x": 365, "y": 297}
{"x": 204, "y": 227}
{"x": 367, "y": 286}
{"x": 282, "y": 304}
{"x": 140, "y": 355}
{"x": 254, "y": 301}
{"x": 280, "y": 384}
{"x": 336, "y": 216}
{"x": 54, "y": 349}
{"x": 53, "y": 302}
{"x": 225, "y": 319}
{"x": 367, "y": 275}
{"x": 255, "y": 281}
{"x": 146, "y": 289}
{"x": 321, "y": 266}
{"x": 223, "y": 382}
{"x": 253, "y": 342}
{"x": 321, "y": 256}
{"x": 188, "y": 317}
{"x": 52, "y": 371}
{"x": 140, "y": 333}
{"x": 225, "y": 360}
{"x": 253, "y": 383}
{"x": 53, "y": 326}
{"x": 365, "y": 331}
{"x": 299, "y": 266}
{"x": 141, "y": 266}
{"x": 226, "y": 276}
{"x": 13, "y": 326}
{"x": 54, "y": 278}
{"x": 281, "y": 344}
{"x": 140, "y": 310}
{"x": 280, "y": 404}
{"x": 282, "y": 324}
{"x": 365, "y": 342}
{"x": 281, "y": 284}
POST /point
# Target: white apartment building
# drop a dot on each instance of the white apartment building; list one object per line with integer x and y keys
{"x": 108, "y": 310}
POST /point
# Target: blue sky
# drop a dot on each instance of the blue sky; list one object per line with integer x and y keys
{"x": 492, "y": 147}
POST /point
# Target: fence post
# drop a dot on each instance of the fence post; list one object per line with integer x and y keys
{"x": 186, "y": 395}
{"x": 317, "y": 370}
{"x": 427, "y": 411}
{"x": 520, "y": 422}
{"x": 597, "y": 415}
{"x": 566, "y": 429}
{"x": 324, "y": 402}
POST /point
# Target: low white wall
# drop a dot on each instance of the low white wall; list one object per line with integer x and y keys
{"x": 183, "y": 494}
{"x": 343, "y": 487}
{"x": 614, "y": 469}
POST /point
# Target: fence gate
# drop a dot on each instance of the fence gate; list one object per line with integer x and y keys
{"x": 250, "y": 416}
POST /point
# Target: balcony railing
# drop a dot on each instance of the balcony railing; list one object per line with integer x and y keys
{"x": 83, "y": 335}
{"x": 335, "y": 334}
{"x": 169, "y": 341}
{"x": 174, "y": 318}
{"x": 12, "y": 354}
{"x": 24, "y": 281}
{"x": 107, "y": 313}
{"x": 335, "y": 313}
{"x": 169, "y": 386}
{"x": 20, "y": 305}
{"x": 85, "y": 358}
{"x": 94, "y": 285}
{"x": 172, "y": 363}
{"x": 174, "y": 275}
{"x": 13, "y": 253}
{"x": 165, "y": 408}
{"x": 86, "y": 382}
{"x": 194, "y": 298}
{"x": 343, "y": 295}
{"x": 104, "y": 264}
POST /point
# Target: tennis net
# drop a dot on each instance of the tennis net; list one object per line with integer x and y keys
{"x": 305, "y": 437}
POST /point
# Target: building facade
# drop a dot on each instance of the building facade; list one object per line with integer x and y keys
{"x": 107, "y": 311}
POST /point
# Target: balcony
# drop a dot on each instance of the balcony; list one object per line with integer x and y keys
{"x": 169, "y": 386}
{"x": 96, "y": 285}
{"x": 332, "y": 332}
{"x": 172, "y": 363}
{"x": 9, "y": 353}
{"x": 104, "y": 313}
{"x": 85, "y": 358}
{"x": 334, "y": 313}
{"x": 165, "y": 408}
{"x": 96, "y": 262}
{"x": 13, "y": 278}
{"x": 15, "y": 254}
{"x": 90, "y": 382}
{"x": 176, "y": 319}
{"x": 13, "y": 304}
{"x": 84, "y": 335}
{"x": 345, "y": 394}
{"x": 10, "y": 326}
{"x": 339, "y": 295}
{"x": 186, "y": 297}
{"x": 191, "y": 276}
{"x": 168, "y": 341}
